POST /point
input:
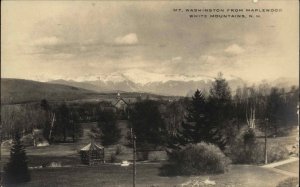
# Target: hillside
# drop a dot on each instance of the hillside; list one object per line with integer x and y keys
{"x": 15, "y": 91}
{"x": 20, "y": 91}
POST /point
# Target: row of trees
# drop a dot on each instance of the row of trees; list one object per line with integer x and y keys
{"x": 206, "y": 117}
{"x": 213, "y": 117}
{"x": 184, "y": 121}
{"x": 61, "y": 123}
{"x": 26, "y": 117}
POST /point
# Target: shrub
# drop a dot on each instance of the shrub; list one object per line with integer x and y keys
{"x": 194, "y": 159}
{"x": 277, "y": 152}
{"x": 289, "y": 182}
{"x": 246, "y": 150}
{"x": 243, "y": 149}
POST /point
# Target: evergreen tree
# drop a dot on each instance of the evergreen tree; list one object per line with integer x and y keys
{"x": 275, "y": 109}
{"x": 47, "y": 114}
{"x": 220, "y": 111}
{"x": 110, "y": 133}
{"x": 62, "y": 123}
{"x": 148, "y": 125}
{"x": 16, "y": 170}
{"x": 76, "y": 130}
{"x": 195, "y": 128}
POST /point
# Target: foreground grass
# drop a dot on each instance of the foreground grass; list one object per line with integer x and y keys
{"x": 147, "y": 175}
{"x": 290, "y": 167}
{"x": 289, "y": 182}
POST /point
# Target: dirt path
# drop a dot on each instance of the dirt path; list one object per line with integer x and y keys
{"x": 273, "y": 165}
{"x": 276, "y": 164}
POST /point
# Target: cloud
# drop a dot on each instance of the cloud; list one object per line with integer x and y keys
{"x": 47, "y": 41}
{"x": 234, "y": 49}
{"x": 207, "y": 59}
{"x": 129, "y": 39}
{"x": 178, "y": 58}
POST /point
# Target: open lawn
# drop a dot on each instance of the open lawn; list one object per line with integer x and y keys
{"x": 290, "y": 167}
{"x": 147, "y": 175}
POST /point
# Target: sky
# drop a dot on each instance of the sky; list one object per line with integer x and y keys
{"x": 42, "y": 40}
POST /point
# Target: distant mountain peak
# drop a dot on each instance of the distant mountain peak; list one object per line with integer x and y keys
{"x": 137, "y": 76}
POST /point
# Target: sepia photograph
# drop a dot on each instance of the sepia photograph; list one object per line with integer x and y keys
{"x": 154, "y": 93}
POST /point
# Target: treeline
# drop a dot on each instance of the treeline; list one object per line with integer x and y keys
{"x": 62, "y": 120}
{"x": 215, "y": 117}
{"x": 212, "y": 116}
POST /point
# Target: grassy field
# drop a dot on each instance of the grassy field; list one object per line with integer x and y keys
{"x": 290, "y": 167}
{"x": 147, "y": 175}
{"x": 75, "y": 174}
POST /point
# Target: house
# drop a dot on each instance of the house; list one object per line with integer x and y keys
{"x": 120, "y": 103}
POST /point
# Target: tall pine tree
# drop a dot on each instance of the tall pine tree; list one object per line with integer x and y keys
{"x": 16, "y": 170}
{"x": 219, "y": 111}
{"x": 148, "y": 125}
{"x": 195, "y": 128}
{"x": 107, "y": 123}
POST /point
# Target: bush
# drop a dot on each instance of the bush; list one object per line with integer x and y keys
{"x": 246, "y": 150}
{"x": 277, "y": 152}
{"x": 289, "y": 182}
{"x": 243, "y": 149}
{"x": 195, "y": 159}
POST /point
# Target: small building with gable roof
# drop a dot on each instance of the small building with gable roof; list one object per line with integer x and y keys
{"x": 120, "y": 103}
{"x": 92, "y": 154}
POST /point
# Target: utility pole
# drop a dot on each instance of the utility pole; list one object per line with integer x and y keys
{"x": 133, "y": 137}
{"x": 266, "y": 152}
{"x": 298, "y": 113}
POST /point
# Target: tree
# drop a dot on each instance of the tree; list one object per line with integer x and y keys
{"x": 220, "y": 111}
{"x": 111, "y": 134}
{"x": 174, "y": 116}
{"x": 76, "y": 130}
{"x": 48, "y": 115}
{"x": 195, "y": 127}
{"x": 16, "y": 170}
{"x": 62, "y": 123}
{"x": 148, "y": 124}
{"x": 45, "y": 105}
{"x": 274, "y": 108}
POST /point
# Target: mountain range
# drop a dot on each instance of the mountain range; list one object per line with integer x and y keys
{"x": 172, "y": 84}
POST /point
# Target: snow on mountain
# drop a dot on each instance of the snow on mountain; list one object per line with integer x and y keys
{"x": 144, "y": 77}
{"x": 137, "y": 76}
{"x": 135, "y": 80}
{"x": 114, "y": 77}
